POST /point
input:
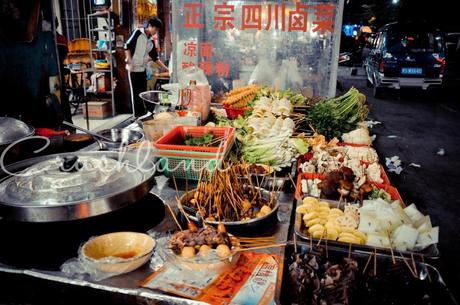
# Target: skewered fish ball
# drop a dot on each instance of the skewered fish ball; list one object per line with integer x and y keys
{"x": 260, "y": 214}
{"x": 223, "y": 251}
{"x": 204, "y": 250}
{"x": 188, "y": 252}
{"x": 265, "y": 209}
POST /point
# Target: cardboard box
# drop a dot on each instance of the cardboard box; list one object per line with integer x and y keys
{"x": 98, "y": 109}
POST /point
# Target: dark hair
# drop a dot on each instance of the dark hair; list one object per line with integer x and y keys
{"x": 155, "y": 22}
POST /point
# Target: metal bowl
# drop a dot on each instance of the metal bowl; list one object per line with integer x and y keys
{"x": 12, "y": 130}
{"x": 237, "y": 227}
{"x": 154, "y": 96}
{"x": 120, "y": 137}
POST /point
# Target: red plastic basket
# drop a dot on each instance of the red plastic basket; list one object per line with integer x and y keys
{"x": 233, "y": 113}
{"x": 305, "y": 176}
{"x": 383, "y": 174}
{"x": 394, "y": 193}
{"x": 353, "y": 145}
{"x": 175, "y": 137}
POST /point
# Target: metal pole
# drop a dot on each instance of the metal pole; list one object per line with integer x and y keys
{"x": 66, "y": 21}
{"x": 175, "y": 26}
{"x": 73, "y": 19}
{"x": 53, "y": 21}
{"x": 78, "y": 16}
{"x": 84, "y": 74}
{"x": 85, "y": 13}
{"x": 111, "y": 57}
{"x": 335, "y": 50}
{"x": 120, "y": 11}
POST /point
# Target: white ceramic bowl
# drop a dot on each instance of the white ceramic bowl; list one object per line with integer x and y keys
{"x": 119, "y": 252}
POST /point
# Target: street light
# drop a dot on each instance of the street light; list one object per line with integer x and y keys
{"x": 395, "y": 2}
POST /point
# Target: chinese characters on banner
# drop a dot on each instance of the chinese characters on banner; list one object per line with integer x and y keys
{"x": 221, "y": 69}
{"x": 283, "y": 44}
{"x": 278, "y": 17}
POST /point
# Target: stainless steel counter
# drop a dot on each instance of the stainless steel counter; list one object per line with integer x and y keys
{"x": 127, "y": 284}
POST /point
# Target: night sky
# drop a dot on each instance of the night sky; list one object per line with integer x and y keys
{"x": 442, "y": 14}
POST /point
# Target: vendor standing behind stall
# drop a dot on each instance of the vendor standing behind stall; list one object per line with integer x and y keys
{"x": 138, "y": 48}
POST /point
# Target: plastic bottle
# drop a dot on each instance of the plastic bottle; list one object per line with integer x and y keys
{"x": 195, "y": 98}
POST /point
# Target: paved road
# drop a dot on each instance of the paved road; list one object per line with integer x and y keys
{"x": 423, "y": 123}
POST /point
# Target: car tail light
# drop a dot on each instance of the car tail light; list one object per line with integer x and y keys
{"x": 442, "y": 62}
{"x": 381, "y": 66}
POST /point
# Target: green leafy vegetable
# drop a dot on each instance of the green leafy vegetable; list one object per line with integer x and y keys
{"x": 379, "y": 193}
{"x": 338, "y": 115}
{"x": 300, "y": 145}
{"x": 206, "y": 139}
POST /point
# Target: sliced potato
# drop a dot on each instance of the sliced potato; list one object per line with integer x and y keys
{"x": 310, "y": 216}
{"x": 313, "y": 222}
{"x": 318, "y": 234}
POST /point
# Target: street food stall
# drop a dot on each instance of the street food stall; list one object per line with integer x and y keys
{"x": 252, "y": 183}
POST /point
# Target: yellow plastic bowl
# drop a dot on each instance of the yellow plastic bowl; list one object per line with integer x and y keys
{"x": 119, "y": 252}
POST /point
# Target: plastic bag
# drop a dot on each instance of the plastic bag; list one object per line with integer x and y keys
{"x": 263, "y": 73}
{"x": 288, "y": 76}
{"x": 174, "y": 90}
{"x": 97, "y": 270}
{"x": 192, "y": 73}
{"x": 82, "y": 268}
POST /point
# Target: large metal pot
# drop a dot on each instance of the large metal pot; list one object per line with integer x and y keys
{"x": 73, "y": 185}
{"x": 242, "y": 227}
{"x": 12, "y": 130}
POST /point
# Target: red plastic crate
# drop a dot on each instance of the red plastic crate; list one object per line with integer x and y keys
{"x": 175, "y": 137}
{"x": 383, "y": 174}
{"x": 197, "y": 155}
{"x": 353, "y": 145}
{"x": 394, "y": 193}
{"x": 307, "y": 176}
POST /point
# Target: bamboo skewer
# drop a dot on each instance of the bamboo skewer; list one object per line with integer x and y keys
{"x": 294, "y": 238}
{"x": 186, "y": 184}
{"x": 256, "y": 238}
{"x": 260, "y": 247}
{"x": 327, "y": 251}
{"x": 408, "y": 265}
{"x": 179, "y": 205}
{"x": 181, "y": 209}
{"x": 226, "y": 195}
{"x": 367, "y": 263}
{"x": 319, "y": 241}
{"x": 391, "y": 249}
{"x": 175, "y": 186}
{"x": 375, "y": 262}
{"x": 413, "y": 263}
{"x": 293, "y": 183}
{"x": 174, "y": 216}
